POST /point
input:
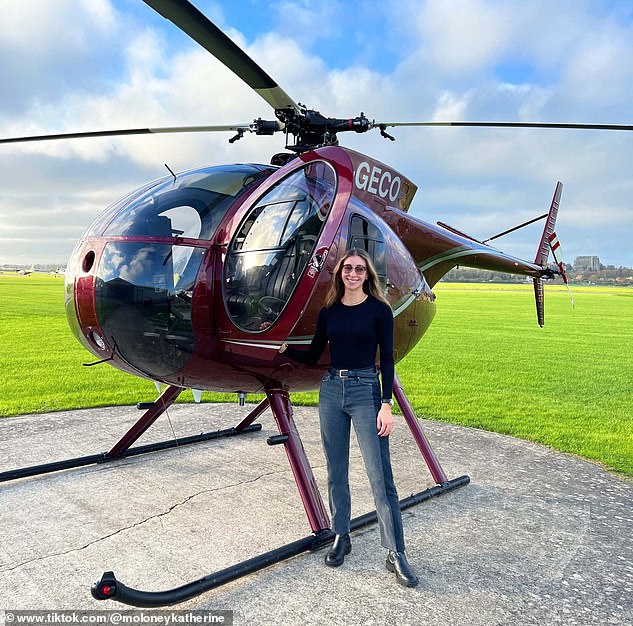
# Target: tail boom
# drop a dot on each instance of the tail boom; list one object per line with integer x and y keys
{"x": 438, "y": 249}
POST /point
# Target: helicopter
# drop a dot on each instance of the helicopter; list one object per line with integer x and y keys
{"x": 197, "y": 278}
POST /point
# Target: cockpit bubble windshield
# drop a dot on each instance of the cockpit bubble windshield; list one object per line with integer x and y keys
{"x": 190, "y": 206}
{"x": 143, "y": 296}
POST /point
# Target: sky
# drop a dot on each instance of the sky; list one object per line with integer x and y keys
{"x": 75, "y": 65}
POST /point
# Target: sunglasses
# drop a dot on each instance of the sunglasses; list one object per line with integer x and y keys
{"x": 360, "y": 269}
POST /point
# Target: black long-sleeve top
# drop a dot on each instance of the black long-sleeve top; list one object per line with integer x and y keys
{"x": 354, "y": 333}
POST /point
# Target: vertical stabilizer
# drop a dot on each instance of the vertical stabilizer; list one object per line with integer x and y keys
{"x": 542, "y": 253}
{"x": 539, "y": 294}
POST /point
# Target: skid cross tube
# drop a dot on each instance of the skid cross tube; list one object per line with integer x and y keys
{"x": 156, "y": 409}
{"x": 122, "y": 448}
{"x": 109, "y": 588}
{"x": 253, "y": 415}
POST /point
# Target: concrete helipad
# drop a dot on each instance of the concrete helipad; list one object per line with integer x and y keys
{"x": 538, "y": 537}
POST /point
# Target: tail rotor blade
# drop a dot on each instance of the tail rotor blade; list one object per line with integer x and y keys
{"x": 558, "y": 259}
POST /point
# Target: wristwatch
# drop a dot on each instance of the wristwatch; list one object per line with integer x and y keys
{"x": 388, "y": 401}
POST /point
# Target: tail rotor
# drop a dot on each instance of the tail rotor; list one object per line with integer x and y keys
{"x": 557, "y": 253}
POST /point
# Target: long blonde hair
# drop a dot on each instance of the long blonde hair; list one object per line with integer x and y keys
{"x": 371, "y": 285}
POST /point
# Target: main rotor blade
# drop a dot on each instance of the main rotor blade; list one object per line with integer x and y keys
{"x": 510, "y": 125}
{"x": 202, "y": 30}
{"x": 130, "y": 131}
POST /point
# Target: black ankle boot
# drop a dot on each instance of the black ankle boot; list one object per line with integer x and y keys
{"x": 336, "y": 554}
{"x": 397, "y": 562}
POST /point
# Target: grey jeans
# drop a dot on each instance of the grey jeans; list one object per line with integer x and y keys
{"x": 356, "y": 399}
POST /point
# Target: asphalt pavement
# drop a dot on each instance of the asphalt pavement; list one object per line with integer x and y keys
{"x": 537, "y": 537}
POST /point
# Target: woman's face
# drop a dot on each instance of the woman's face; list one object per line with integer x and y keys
{"x": 354, "y": 273}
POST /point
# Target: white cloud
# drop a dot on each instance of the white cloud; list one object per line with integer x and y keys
{"x": 469, "y": 59}
{"x": 465, "y": 36}
{"x": 39, "y": 28}
{"x": 307, "y": 21}
{"x": 451, "y": 107}
{"x": 600, "y": 72}
{"x": 44, "y": 44}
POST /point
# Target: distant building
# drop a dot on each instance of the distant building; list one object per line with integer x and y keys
{"x": 587, "y": 264}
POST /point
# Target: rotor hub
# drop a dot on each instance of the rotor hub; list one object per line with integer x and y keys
{"x": 309, "y": 128}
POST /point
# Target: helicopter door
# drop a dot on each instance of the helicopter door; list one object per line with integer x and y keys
{"x": 363, "y": 235}
{"x": 272, "y": 247}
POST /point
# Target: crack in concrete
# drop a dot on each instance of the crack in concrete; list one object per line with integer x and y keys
{"x": 139, "y": 523}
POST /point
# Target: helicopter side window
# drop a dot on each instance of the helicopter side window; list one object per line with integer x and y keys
{"x": 273, "y": 245}
{"x": 366, "y": 236}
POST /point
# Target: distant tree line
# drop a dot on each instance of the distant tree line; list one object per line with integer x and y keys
{"x": 608, "y": 276}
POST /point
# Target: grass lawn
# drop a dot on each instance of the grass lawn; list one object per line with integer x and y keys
{"x": 486, "y": 363}
{"x": 483, "y": 363}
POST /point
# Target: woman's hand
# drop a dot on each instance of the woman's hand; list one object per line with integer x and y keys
{"x": 283, "y": 347}
{"x": 384, "y": 421}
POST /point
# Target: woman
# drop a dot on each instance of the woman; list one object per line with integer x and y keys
{"x": 357, "y": 320}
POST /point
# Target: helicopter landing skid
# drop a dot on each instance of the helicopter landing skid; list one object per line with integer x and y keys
{"x": 109, "y": 588}
{"x": 122, "y": 448}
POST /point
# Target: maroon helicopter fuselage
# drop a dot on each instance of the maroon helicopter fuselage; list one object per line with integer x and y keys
{"x": 196, "y": 281}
